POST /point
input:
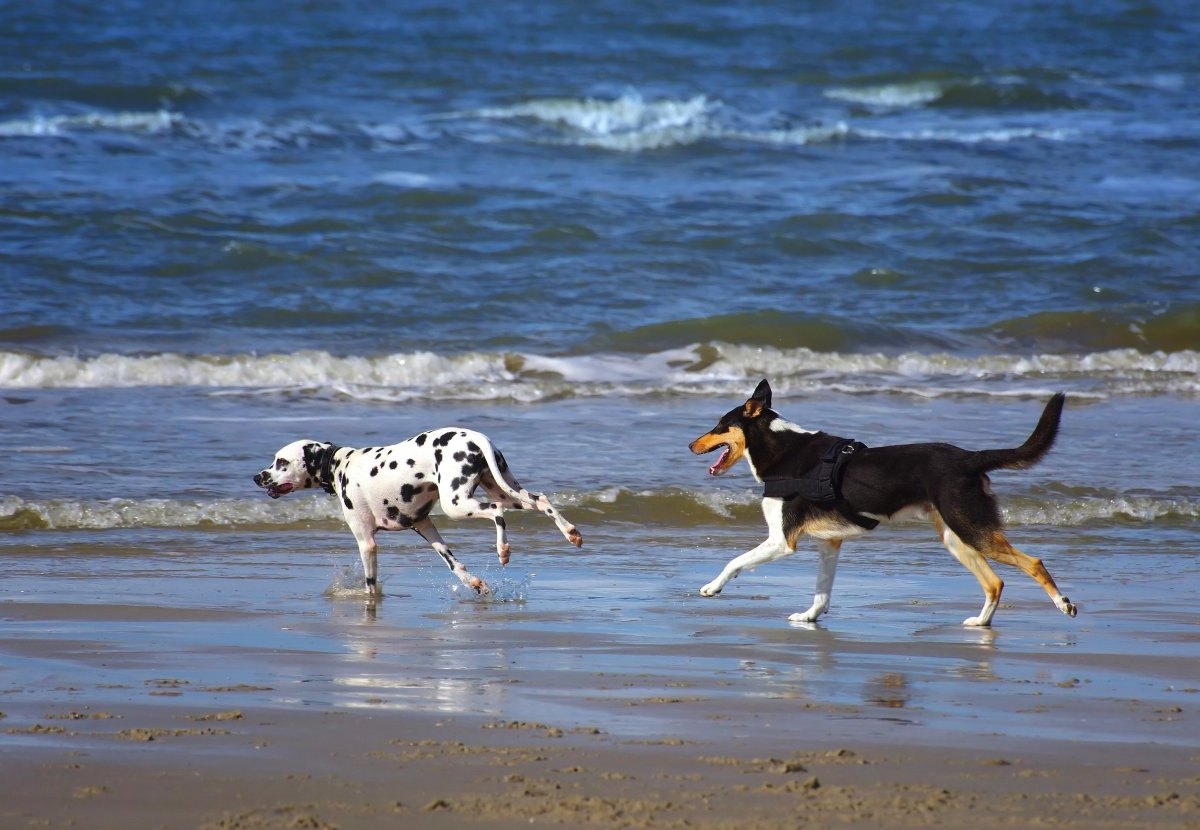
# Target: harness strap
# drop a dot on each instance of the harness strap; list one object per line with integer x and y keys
{"x": 823, "y": 485}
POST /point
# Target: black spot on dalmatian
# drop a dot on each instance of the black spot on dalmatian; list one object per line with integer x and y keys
{"x": 419, "y": 476}
{"x": 501, "y": 464}
{"x": 472, "y": 446}
{"x": 393, "y": 512}
{"x": 374, "y": 471}
{"x": 420, "y": 439}
{"x": 443, "y": 439}
{"x": 437, "y": 458}
{"x": 391, "y": 465}
{"x": 405, "y": 521}
{"x": 473, "y": 465}
{"x": 385, "y": 502}
{"x": 346, "y": 501}
{"x": 500, "y": 522}
{"x": 457, "y": 482}
{"x": 407, "y": 492}
{"x": 412, "y": 462}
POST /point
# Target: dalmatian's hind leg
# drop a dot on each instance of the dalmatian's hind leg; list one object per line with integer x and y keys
{"x": 499, "y": 476}
{"x": 538, "y": 501}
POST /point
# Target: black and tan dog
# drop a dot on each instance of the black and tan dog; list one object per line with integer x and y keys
{"x": 834, "y": 489}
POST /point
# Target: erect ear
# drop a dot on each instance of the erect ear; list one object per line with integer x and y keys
{"x": 760, "y": 400}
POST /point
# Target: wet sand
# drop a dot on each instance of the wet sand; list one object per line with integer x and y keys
{"x": 176, "y": 766}
{"x": 226, "y": 684}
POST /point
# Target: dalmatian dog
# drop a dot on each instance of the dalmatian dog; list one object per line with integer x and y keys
{"x": 396, "y": 487}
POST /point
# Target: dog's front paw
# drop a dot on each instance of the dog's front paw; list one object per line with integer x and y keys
{"x": 976, "y": 622}
{"x": 575, "y": 537}
{"x": 479, "y": 586}
{"x": 711, "y": 589}
{"x": 1066, "y": 606}
{"x": 806, "y": 617}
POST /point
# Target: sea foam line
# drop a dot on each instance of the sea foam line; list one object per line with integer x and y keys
{"x": 670, "y": 507}
{"x": 714, "y": 368}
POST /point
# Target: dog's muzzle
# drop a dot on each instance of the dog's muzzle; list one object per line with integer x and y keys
{"x": 273, "y": 490}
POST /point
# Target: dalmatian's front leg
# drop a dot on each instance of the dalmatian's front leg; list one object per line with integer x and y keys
{"x": 429, "y": 533}
{"x": 367, "y": 549}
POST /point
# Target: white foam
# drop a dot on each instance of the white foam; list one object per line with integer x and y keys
{"x": 628, "y": 123}
{"x": 994, "y": 135}
{"x": 403, "y": 178}
{"x": 160, "y": 121}
{"x": 707, "y": 369}
{"x": 888, "y": 96}
{"x": 299, "y": 513}
{"x": 107, "y": 514}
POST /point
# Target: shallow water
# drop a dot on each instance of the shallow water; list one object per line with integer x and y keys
{"x": 616, "y": 637}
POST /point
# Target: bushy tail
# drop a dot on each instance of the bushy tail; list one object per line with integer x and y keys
{"x": 1034, "y": 448}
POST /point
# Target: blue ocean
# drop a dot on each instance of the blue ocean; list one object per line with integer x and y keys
{"x": 588, "y": 230}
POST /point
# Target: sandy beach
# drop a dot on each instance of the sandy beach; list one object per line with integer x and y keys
{"x": 176, "y": 766}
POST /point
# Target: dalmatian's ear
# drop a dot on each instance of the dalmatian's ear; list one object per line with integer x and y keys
{"x": 318, "y": 461}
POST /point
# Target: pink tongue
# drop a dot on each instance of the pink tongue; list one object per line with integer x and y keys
{"x": 714, "y": 470}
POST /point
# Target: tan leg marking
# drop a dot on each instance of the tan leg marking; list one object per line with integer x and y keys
{"x": 974, "y": 562}
{"x": 1001, "y": 550}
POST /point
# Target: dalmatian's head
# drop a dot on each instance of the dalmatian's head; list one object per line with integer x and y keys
{"x": 300, "y": 465}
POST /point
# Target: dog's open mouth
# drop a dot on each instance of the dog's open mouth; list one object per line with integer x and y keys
{"x": 718, "y": 467}
{"x": 277, "y": 490}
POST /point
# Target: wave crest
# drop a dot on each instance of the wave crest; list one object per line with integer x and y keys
{"x": 704, "y": 368}
{"x": 671, "y": 506}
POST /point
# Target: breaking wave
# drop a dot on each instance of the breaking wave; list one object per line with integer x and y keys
{"x": 700, "y": 369}
{"x": 628, "y": 123}
{"x": 673, "y": 506}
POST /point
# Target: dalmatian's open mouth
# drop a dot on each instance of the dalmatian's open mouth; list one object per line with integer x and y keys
{"x": 277, "y": 490}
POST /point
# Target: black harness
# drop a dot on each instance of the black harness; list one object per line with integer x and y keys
{"x": 823, "y": 484}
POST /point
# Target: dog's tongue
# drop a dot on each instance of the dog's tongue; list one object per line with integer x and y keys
{"x": 279, "y": 490}
{"x": 715, "y": 469}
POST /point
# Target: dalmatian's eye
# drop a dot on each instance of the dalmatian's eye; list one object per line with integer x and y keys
{"x": 280, "y": 463}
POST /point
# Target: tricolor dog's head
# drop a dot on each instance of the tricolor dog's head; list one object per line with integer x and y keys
{"x": 730, "y": 432}
{"x": 300, "y": 465}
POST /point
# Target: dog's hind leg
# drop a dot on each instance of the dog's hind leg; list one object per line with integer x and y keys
{"x": 975, "y": 563}
{"x": 828, "y": 550}
{"x": 429, "y": 533}
{"x": 1001, "y": 550}
{"x": 500, "y": 475}
{"x": 503, "y": 502}
{"x": 775, "y": 547}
